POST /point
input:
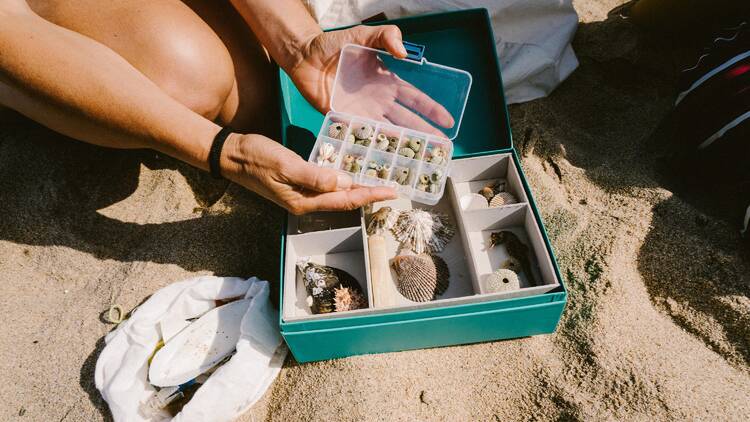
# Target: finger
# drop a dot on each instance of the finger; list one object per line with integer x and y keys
{"x": 345, "y": 200}
{"x": 386, "y": 37}
{"x": 309, "y": 176}
{"x": 408, "y": 95}
{"x": 402, "y": 116}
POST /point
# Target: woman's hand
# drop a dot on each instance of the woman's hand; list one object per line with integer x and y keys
{"x": 280, "y": 175}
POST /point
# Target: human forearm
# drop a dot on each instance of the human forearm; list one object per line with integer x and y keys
{"x": 284, "y": 27}
{"x": 83, "y": 89}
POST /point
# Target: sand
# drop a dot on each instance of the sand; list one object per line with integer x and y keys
{"x": 658, "y": 321}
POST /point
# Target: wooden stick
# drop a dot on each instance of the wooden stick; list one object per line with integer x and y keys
{"x": 383, "y": 291}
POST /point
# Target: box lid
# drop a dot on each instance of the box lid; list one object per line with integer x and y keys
{"x": 411, "y": 93}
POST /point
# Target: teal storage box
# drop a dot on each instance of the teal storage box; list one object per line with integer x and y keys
{"x": 469, "y": 310}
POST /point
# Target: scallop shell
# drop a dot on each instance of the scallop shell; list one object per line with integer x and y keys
{"x": 502, "y": 280}
{"x": 321, "y": 282}
{"x": 337, "y": 130}
{"x": 363, "y": 131}
{"x": 421, "y": 277}
{"x": 423, "y": 231}
{"x": 502, "y": 198}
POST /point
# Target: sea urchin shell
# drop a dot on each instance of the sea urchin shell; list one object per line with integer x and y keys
{"x": 421, "y": 277}
{"x": 336, "y": 130}
{"x": 502, "y": 280}
{"x": 423, "y": 231}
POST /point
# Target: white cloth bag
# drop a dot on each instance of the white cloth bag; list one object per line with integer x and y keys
{"x": 122, "y": 368}
{"x": 532, "y": 36}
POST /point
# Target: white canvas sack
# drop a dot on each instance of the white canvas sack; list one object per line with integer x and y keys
{"x": 122, "y": 368}
{"x": 532, "y": 36}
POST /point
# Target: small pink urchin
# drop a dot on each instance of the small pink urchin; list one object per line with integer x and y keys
{"x": 347, "y": 299}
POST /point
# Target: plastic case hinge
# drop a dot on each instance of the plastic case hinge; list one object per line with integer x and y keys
{"x": 414, "y": 51}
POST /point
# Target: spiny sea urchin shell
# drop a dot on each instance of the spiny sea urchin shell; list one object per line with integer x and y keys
{"x": 336, "y": 130}
{"x": 421, "y": 277}
{"x": 321, "y": 282}
{"x": 502, "y": 198}
{"x": 363, "y": 131}
{"x": 423, "y": 231}
{"x": 502, "y": 280}
{"x": 346, "y": 299}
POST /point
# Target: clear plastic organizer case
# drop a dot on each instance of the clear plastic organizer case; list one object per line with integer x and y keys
{"x": 392, "y": 122}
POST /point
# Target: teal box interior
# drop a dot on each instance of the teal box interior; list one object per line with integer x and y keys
{"x": 464, "y": 40}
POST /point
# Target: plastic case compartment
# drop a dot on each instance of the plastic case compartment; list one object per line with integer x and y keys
{"x": 380, "y": 122}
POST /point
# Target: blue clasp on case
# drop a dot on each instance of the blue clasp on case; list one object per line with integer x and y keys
{"x": 414, "y": 51}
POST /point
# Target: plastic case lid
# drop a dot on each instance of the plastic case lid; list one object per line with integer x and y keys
{"x": 412, "y": 93}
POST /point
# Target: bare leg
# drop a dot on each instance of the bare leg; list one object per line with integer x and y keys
{"x": 171, "y": 45}
{"x": 253, "y": 103}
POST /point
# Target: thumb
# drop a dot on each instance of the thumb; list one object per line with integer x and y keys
{"x": 309, "y": 176}
{"x": 386, "y": 37}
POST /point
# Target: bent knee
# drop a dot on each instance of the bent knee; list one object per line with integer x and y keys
{"x": 195, "y": 69}
{"x": 165, "y": 40}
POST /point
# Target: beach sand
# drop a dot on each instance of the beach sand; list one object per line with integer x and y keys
{"x": 658, "y": 321}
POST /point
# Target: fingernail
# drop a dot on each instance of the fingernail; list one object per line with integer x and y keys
{"x": 343, "y": 182}
{"x": 402, "y": 49}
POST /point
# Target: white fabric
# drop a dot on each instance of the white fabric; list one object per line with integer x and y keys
{"x": 532, "y": 36}
{"x": 122, "y": 367}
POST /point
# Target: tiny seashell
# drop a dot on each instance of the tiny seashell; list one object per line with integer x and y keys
{"x": 347, "y": 162}
{"x": 362, "y": 142}
{"x": 383, "y": 172}
{"x": 487, "y": 192}
{"x": 357, "y": 166}
{"x": 424, "y": 179}
{"x": 433, "y": 188}
{"x": 502, "y": 280}
{"x": 422, "y": 186}
{"x": 423, "y": 231}
{"x": 473, "y": 201}
{"x": 372, "y": 165}
{"x": 436, "y": 176}
{"x": 422, "y": 277}
{"x": 437, "y": 155}
{"x": 327, "y": 153}
{"x": 346, "y": 299}
{"x": 502, "y": 198}
{"x": 382, "y": 142}
{"x": 336, "y": 130}
{"x": 406, "y": 152}
{"x": 351, "y": 138}
{"x": 415, "y": 144}
{"x": 402, "y": 175}
{"x": 363, "y": 131}
{"x": 371, "y": 173}
{"x": 321, "y": 282}
{"x": 382, "y": 219}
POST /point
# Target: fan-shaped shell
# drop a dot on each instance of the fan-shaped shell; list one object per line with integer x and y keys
{"x": 502, "y": 280}
{"x": 423, "y": 231}
{"x": 421, "y": 278}
{"x": 502, "y": 198}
